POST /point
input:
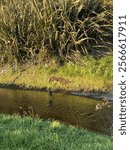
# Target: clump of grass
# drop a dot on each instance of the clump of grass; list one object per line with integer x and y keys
{"x": 90, "y": 68}
{"x": 28, "y": 112}
{"x": 29, "y": 133}
{"x": 36, "y": 30}
{"x": 55, "y": 124}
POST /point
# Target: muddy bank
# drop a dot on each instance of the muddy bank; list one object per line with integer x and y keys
{"x": 96, "y": 95}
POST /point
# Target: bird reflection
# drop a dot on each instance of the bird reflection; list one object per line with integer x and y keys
{"x": 50, "y": 102}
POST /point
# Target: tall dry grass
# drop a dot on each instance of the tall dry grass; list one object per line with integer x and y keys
{"x": 35, "y": 30}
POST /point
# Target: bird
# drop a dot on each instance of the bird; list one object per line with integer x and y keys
{"x": 49, "y": 92}
{"x": 98, "y": 107}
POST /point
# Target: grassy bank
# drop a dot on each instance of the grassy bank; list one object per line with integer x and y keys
{"x": 90, "y": 75}
{"x": 28, "y": 133}
{"x": 67, "y": 40}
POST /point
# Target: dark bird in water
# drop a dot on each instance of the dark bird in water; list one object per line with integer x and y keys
{"x": 49, "y": 92}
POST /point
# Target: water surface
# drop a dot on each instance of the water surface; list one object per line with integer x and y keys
{"x": 74, "y": 110}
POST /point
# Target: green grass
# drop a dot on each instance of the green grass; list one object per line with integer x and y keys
{"x": 18, "y": 133}
{"x": 91, "y": 75}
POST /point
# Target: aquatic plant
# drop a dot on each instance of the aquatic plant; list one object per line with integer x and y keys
{"x": 29, "y": 112}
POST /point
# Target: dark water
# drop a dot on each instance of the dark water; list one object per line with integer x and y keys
{"x": 74, "y": 110}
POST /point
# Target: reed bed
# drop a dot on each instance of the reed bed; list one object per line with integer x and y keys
{"x": 37, "y": 30}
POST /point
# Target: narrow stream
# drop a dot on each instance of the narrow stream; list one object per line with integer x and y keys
{"x": 74, "y": 110}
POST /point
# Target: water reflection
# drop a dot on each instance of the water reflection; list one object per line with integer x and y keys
{"x": 73, "y": 110}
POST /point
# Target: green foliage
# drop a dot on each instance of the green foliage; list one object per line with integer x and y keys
{"x": 90, "y": 68}
{"x": 90, "y": 75}
{"x": 39, "y": 29}
{"x": 28, "y": 134}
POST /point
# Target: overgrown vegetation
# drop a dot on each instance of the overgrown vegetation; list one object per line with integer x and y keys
{"x": 37, "y": 30}
{"x": 92, "y": 75}
{"x": 40, "y": 39}
{"x": 65, "y": 39}
{"x": 59, "y": 39}
{"x": 28, "y": 134}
